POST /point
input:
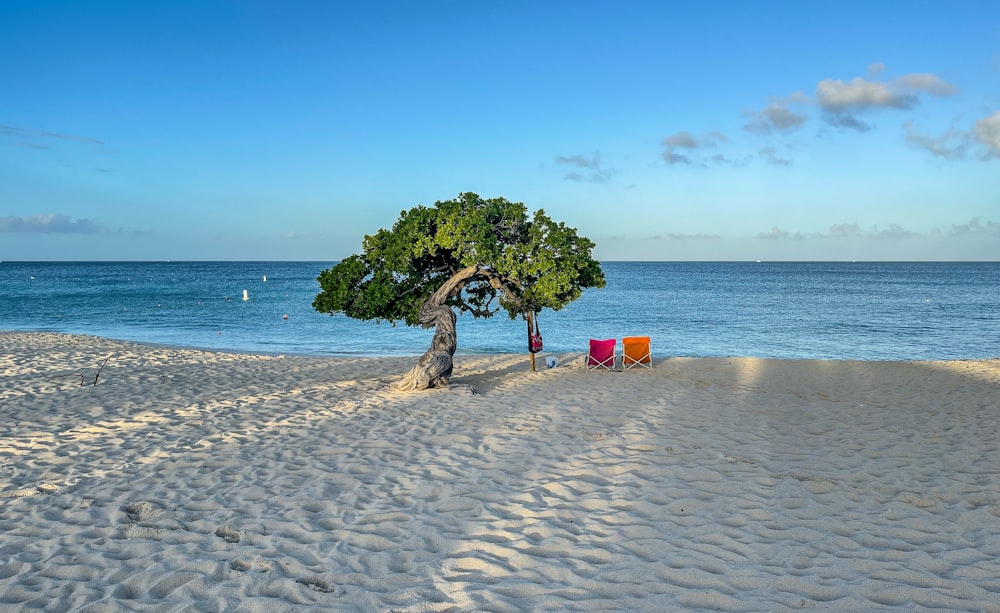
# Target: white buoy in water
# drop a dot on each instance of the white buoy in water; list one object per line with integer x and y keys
{"x": 245, "y": 296}
{"x": 265, "y": 278}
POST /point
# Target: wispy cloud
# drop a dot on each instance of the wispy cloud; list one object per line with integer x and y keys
{"x": 27, "y": 135}
{"x": 670, "y": 236}
{"x": 844, "y": 230}
{"x": 982, "y": 140}
{"x": 776, "y": 117}
{"x": 588, "y": 168}
{"x": 42, "y": 141}
{"x": 136, "y": 232}
{"x": 51, "y": 223}
{"x": 736, "y": 162}
{"x": 842, "y": 120}
{"x": 929, "y": 83}
{"x": 987, "y": 132}
{"x": 893, "y": 231}
{"x": 694, "y": 237}
{"x": 975, "y": 226}
{"x": 776, "y": 233}
{"x": 953, "y": 144}
{"x": 770, "y": 155}
{"x": 875, "y": 69}
{"x": 298, "y": 236}
{"x": 672, "y": 158}
{"x": 684, "y": 140}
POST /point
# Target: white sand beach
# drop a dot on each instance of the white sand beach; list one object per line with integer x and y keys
{"x": 190, "y": 480}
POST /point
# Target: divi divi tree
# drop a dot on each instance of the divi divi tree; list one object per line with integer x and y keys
{"x": 476, "y": 255}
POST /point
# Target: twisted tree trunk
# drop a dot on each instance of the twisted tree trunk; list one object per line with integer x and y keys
{"x": 435, "y": 366}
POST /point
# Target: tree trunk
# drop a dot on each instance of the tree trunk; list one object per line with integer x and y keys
{"x": 435, "y": 366}
{"x": 530, "y": 318}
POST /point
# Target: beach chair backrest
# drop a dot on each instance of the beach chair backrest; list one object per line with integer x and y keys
{"x": 601, "y": 354}
{"x": 636, "y": 352}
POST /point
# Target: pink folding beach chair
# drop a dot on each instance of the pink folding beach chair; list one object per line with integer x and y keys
{"x": 601, "y": 354}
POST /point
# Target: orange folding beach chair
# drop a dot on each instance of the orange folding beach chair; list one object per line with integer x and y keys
{"x": 635, "y": 352}
{"x": 602, "y": 354}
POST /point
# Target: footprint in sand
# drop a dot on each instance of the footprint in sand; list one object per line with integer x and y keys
{"x": 257, "y": 565}
{"x": 318, "y": 583}
{"x": 146, "y": 521}
{"x": 44, "y": 488}
{"x": 227, "y": 533}
{"x": 138, "y": 511}
{"x": 920, "y": 501}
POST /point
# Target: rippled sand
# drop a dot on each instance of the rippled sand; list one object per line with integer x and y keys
{"x": 190, "y": 480}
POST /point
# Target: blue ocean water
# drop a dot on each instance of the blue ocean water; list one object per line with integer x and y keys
{"x": 866, "y": 311}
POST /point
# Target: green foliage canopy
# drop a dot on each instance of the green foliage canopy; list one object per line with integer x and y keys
{"x": 525, "y": 264}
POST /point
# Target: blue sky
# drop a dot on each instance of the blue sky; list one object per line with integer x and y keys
{"x": 250, "y": 130}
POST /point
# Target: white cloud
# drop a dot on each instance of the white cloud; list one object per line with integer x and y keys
{"x": 987, "y": 132}
{"x": 845, "y": 230}
{"x": 975, "y": 226}
{"x": 842, "y": 120}
{"x": 776, "y": 233}
{"x": 836, "y": 96}
{"x": 51, "y": 223}
{"x": 841, "y": 101}
{"x": 926, "y": 82}
{"x": 694, "y": 237}
{"x": 591, "y": 166}
{"x": 735, "y": 162}
{"x": 840, "y": 231}
{"x": 685, "y": 140}
{"x": 875, "y": 69}
{"x": 950, "y": 145}
{"x": 775, "y": 117}
{"x": 681, "y": 139}
{"x": 894, "y": 231}
{"x": 955, "y": 143}
{"x": 770, "y": 155}
{"x": 672, "y": 158}
{"x": 296, "y": 236}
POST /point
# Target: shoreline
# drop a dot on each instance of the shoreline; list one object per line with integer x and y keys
{"x": 417, "y": 353}
{"x": 158, "y": 345}
{"x": 212, "y": 480}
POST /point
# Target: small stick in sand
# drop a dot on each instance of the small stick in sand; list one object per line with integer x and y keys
{"x": 98, "y": 374}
